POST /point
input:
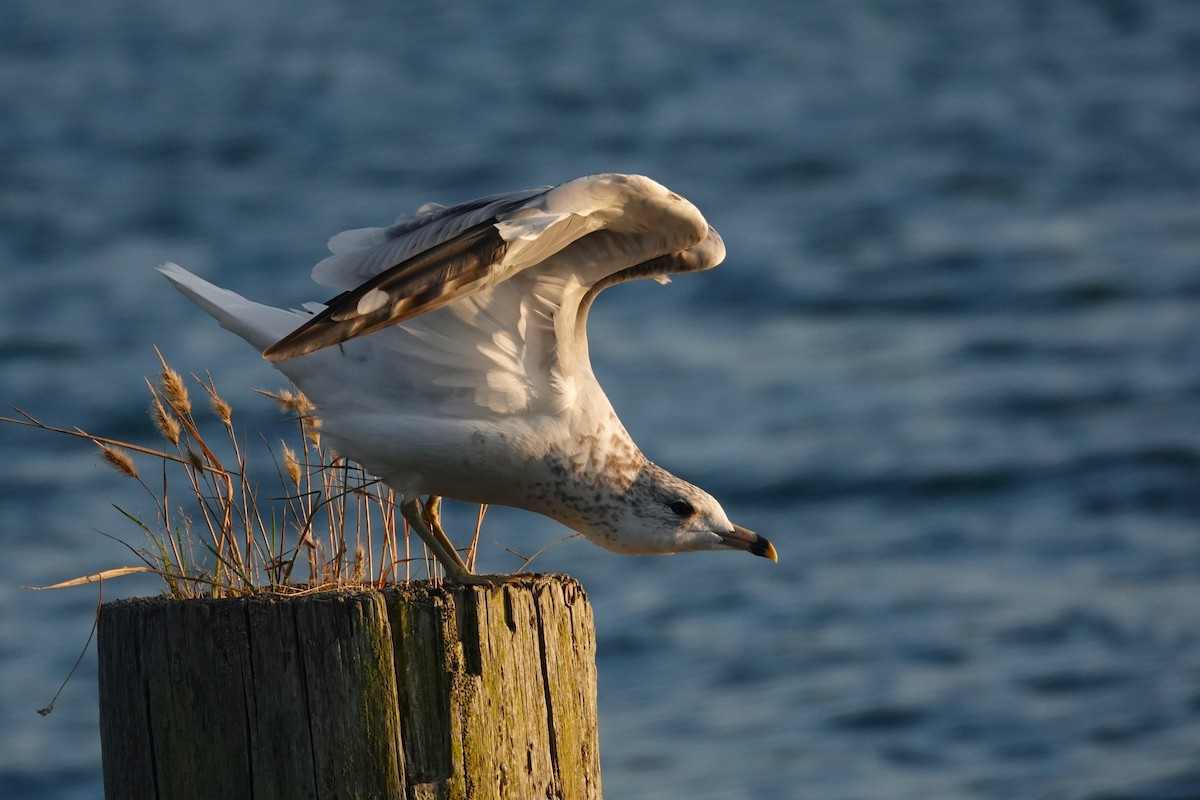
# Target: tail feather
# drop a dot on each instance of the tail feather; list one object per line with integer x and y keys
{"x": 258, "y": 324}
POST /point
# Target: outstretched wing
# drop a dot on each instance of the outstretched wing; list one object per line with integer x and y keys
{"x": 564, "y": 244}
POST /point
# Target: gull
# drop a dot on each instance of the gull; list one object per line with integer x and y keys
{"x": 454, "y": 362}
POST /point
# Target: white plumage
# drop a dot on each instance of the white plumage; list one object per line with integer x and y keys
{"x": 455, "y": 361}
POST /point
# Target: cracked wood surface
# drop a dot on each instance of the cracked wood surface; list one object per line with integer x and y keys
{"x": 412, "y": 691}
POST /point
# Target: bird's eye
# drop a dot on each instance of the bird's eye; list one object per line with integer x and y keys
{"x": 681, "y": 508}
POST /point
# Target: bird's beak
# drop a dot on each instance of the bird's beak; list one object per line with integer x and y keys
{"x": 742, "y": 539}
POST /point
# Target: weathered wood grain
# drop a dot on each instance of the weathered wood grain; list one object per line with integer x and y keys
{"x": 412, "y": 692}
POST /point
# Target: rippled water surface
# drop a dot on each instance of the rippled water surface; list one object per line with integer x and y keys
{"x": 951, "y": 365}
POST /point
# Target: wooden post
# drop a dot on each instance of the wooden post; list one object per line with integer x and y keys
{"x": 411, "y": 692}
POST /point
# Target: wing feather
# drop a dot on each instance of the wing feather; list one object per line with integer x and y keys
{"x": 493, "y": 295}
{"x": 361, "y": 254}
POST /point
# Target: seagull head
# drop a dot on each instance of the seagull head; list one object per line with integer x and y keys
{"x": 661, "y": 513}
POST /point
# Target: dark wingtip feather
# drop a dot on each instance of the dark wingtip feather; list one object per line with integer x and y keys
{"x": 427, "y": 281}
{"x": 313, "y": 335}
{"x": 294, "y": 345}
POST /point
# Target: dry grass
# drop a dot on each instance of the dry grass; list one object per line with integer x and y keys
{"x": 215, "y": 533}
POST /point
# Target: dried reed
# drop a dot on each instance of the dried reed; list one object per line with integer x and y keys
{"x": 226, "y": 538}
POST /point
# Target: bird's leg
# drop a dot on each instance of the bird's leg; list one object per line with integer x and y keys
{"x": 433, "y": 516}
{"x": 456, "y": 572}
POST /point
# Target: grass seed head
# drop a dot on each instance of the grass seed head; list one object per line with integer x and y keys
{"x": 291, "y": 464}
{"x": 285, "y": 399}
{"x": 312, "y": 430}
{"x": 119, "y": 460}
{"x": 223, "y": 411}
{"x": 220, "y": 407}
{"x": 164, "y": 422}
{"x": 300, "y": 402}
{"x": 295, "y": 402}
{"x": 175, "y": 390}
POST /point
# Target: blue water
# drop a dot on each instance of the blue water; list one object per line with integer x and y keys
{"x": 951, "y": 365}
